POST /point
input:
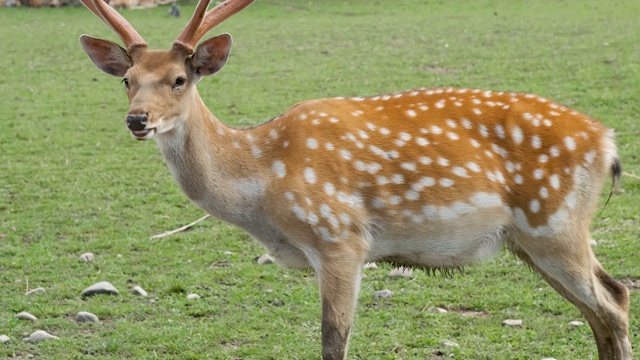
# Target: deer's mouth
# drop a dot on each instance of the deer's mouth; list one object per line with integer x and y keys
{"x": 145, "y": 134}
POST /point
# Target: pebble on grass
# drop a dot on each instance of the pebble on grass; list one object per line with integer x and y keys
{"x": 26, "y": 316}
{"x": 86, "y": 257}
{"x": 36, "y": 291}
{"x": 449, "y": 343}
{"x": 265, "y": 259}
{"x": 575, "y": 324}
{"x": 383, "y": 294}
{"x": 39, "y": 336}
{"x": 512, "y": 322}
{"x": 4, "y": 339}
{"x": 193, "y": 296}
{"x": 438, "y": 310}
{"x": 103, "y": 287}
{"x": 84, "y": 316}
{"x": 401, "y": 272}
{"x": 137, "y": 290}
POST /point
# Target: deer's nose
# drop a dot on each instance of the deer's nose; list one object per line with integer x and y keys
{"x": 136, "y": 122}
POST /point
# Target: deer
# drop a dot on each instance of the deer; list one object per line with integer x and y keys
{"x": 433, "y": 178}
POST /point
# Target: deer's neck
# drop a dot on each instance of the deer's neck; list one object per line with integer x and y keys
{"x": 214, "y": 165}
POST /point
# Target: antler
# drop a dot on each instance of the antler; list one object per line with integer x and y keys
{"x": 201, "y": 23}
{"x": 117, "y": 23}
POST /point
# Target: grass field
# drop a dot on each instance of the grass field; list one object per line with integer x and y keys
{"x": 72, "y": 180}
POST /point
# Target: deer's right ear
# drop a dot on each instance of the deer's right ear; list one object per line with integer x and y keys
{"x": 107, "y": 55}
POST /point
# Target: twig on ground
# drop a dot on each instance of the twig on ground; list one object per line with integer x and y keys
{"x": 631, "y": 175}
{"x": 183, "y": 228}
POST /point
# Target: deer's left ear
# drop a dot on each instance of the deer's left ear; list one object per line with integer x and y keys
{"x": 211, "y": 55}
{"x": 106, "y": 55}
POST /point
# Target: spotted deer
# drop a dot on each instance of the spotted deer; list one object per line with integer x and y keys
{"x": 437, "y": 178}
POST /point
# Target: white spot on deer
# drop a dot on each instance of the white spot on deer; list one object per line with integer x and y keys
{"x": 363, "y": 134}
{"x": 411, "y": 113}
{"x": 329, "y": 146}
{"x": 409, "y": 166}
{"x": 466, "y": 123}
{"x": 517, "y": 135}
{"x": 412, "y": 195}
{"x": 379, "y": 108}
{"x": 329, "y": 188}
{"x": 543, "y": 158}
{"x": 554, "y": 180}
{"x": 346, "y": 154}
{"x": 499, "y": 150}
{"x": 395, "y": 200}
{"x": 279, "y": 168}
{"x": 510, "y": 167}
{"x": 382, "y": 180}
{"x": 436, "y": 130}
{"x": 386, "y": 97}
{"x": 460, "y": 171}
{"x": 273, "y": 133}
{"x": 477, "y": 111}
{"x": 483, "y": 131}
{"x": 445, "y": 182}
{"x": 303, "y": 116}
{"x": 473, "y": 166}
{"x": 452, "y": 123}
{"x": 554, "y": 151}
{"x": 345, "y": 219}
{"x": 377, "y": 203}
{"x": 544, "y": 192}
{"x": 310, "y": 175}
{"x": 285, "y": 143}
{"x": 399, "y": 143}
{"x": 312, "y": 218}
{"x": 312, "y": 143}
{"x": 425, "y": 181}
{"x": 325, "y": 234}
{"x": 500, "y": 131}
{"x": 397, "y": 179}
{"x": 475, "y": 143}
{"x": 299, "y": 212}
{"x": 370, "y": 126}
{"x": 534, "y": 206}
{"x": 384, "y": 131}
{"x": 590, "y": 156}
{"x": 476, "y": 101}
{"x": 289, "y": 195}
{"x": 486, "y": 200}
{"x": 569, "y": 143}
{"x": 538, "y": 174}
{"x": 452, "y": 136}
{"x": 404, "y": 136}
{"x": 536, "y": 142}
{"x": 443, "y": 162}
{"x": 440, "y": 104}
{"x": 518, "y": 179}
{"x": 425, "y": 160}
{"x": 422, "y": 141}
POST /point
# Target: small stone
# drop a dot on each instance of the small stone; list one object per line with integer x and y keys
{"x": 228, "y": 253}
{"x": 193, "y": 297}
{"x": 26, "y": 316}
{"x": 86, "y": 257}
{"x": 438, "y": 310}
{"x": 36, "y": 291}
{"x": 383, "y": 294}
{"x": 549, "y": 359}
{"x": 4, "y": 339}
{"x": 406, "y": 273}
{"x": 137, "y": 290}
{"x": 575, "y": 324}
{"x": 103, "y": 287}
{"x": 512, "y": 322}
{"x": 370, "y": 266}
{"x": 84, "y": 316}
{"x": 265, "y": 259}
{"x": 449, "y": 343}
{"x": 39, "y": 336}
{"x": 593, "y": 243}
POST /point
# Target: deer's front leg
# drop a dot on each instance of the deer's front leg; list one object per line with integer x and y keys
{"x": 339, "y": 277}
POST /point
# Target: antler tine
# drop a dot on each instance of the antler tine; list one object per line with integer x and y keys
{"x": 116, "y": 22}
{"x": 201, "y": 23}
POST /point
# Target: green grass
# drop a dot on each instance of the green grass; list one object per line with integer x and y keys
{"x": 72, "y": 180}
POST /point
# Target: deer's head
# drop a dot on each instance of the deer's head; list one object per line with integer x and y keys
{"x": 160, "y": 84}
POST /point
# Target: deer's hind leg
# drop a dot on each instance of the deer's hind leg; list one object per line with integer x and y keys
{"x": 568, "y": 264}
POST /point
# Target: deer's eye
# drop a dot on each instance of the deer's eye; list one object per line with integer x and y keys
{"x": 125, "y": 81}
{"x": 180, "y": 80}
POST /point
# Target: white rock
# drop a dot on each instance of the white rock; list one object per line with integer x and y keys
{"x": 438, "y": 310}
{"x": 449, "y": 343}
{"x": 512, "y": 322}
{"x": 86, "y": 257}
{"x": 549, "y": 359}
{"x": 137, "y": 290}
{"x": 370, "y": 266}
{"x": 383, "y": 294}
{"x": 228, "y": 253}
{"x": 26, "y": 316}
{"x": 36, "y": 291}
{"x": 84, "y": 316}
{"x": 265, "y": 259}
{"x": 39, "y": 336}
{"x": 193, "y": 296}
{"x": 4, "y": 339}
{"x": 575, "y": 324}
{"x": 103, "y": 287}
{"x": 401, "y": 273}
